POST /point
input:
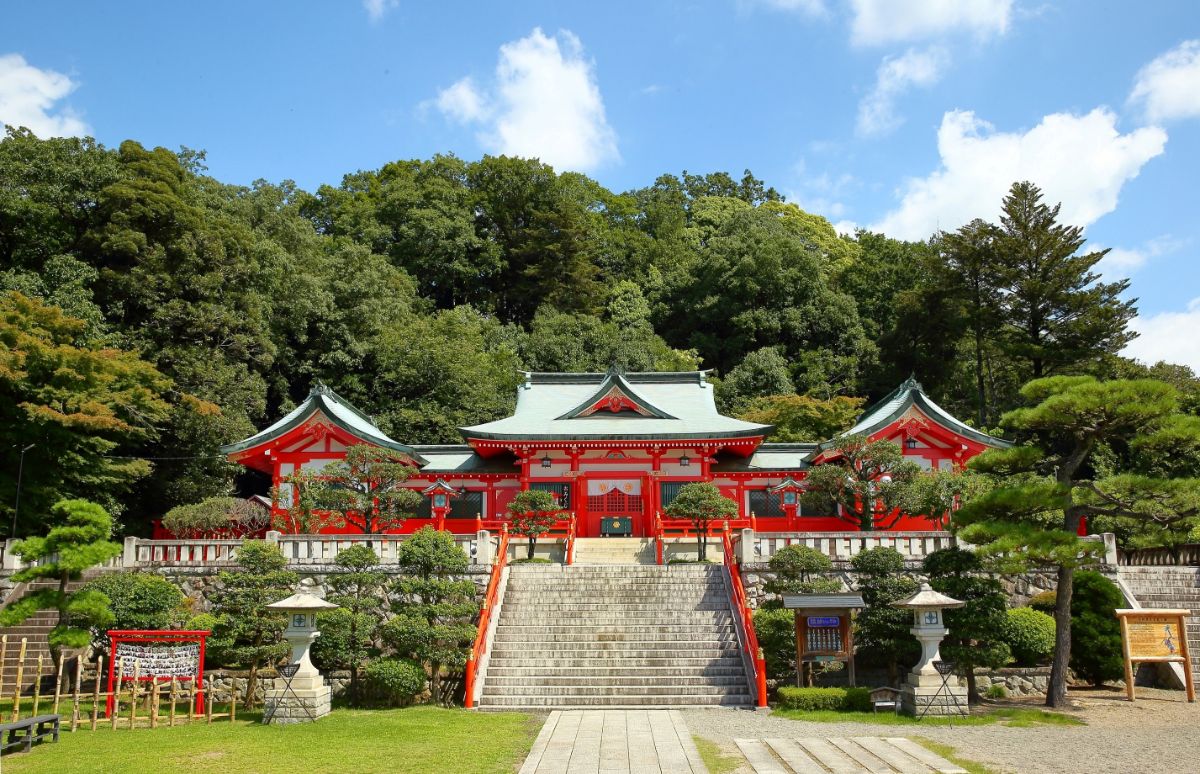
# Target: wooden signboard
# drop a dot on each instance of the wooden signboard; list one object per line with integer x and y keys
{"x": 1149, "y": 635}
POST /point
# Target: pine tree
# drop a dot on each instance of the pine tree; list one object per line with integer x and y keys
{"x": 1056, "y": 311}
{"x": 348, "y": 633}
{"x": 1046, "y": 487}
{"x": 869, "y": 481}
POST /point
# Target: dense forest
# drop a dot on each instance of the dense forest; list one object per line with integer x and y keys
{"x": 151, "y": 313}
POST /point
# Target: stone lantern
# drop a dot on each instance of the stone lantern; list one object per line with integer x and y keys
{"x": 931, "y": 688}
{"x": 299, "y": 694}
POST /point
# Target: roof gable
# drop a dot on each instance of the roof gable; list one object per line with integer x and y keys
{"x": 335, "y": 410}
{"x": 898, "y": 402}
{"x": 616, "y": 395}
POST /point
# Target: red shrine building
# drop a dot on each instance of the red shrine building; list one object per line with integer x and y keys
{"x": 615, "y": 449}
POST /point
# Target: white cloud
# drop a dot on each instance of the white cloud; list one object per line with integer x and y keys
{"x": 1124, "y": 261}
{"x": 376, "y": 9}
{"x": 545, "y": 104}
{"x": 889, "y": 21}
{"x": 28, "y": 96}
{"x": 1081, "y": 161}
{"x": 896, "y": 75}
{"x": 1169, "y": 336}
{"x": 462, "y": 102}
{"x": 1169, "y": 87}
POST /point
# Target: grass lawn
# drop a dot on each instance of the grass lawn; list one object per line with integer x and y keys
{"x": 947, "y": 752}
{"x": 1017, "y": 717}
{"x": 716, "y": 760}
{"x": 415, "y": 740}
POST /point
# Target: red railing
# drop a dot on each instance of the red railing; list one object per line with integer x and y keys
{"x": 658, "y": 537}
{"x": 571, "y": 540}
{"x": 485, "y": 618}
{"x": 745, "y": 616}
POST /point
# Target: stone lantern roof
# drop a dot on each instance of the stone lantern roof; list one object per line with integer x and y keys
{"x": 927, "y": 597}
{"x": 302, "y": 601}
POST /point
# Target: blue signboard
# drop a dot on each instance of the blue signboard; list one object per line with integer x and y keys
{"x": 824, "y": 621}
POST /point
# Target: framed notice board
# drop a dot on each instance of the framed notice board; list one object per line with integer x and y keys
{"x": 1149, "y": 635}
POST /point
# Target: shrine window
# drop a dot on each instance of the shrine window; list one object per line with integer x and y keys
{"x": 466, "y": 505}
{"x": 817, "y": 504}
{"x": 766, "y": 503}
{"x": 669, "y": 491}
{"x": 561, "y": 491}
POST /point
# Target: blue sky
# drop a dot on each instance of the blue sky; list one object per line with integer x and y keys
{"x": 901, "y": 115}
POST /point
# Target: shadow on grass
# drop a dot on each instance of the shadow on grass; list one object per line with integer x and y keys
{"x": 1015, "y": 717}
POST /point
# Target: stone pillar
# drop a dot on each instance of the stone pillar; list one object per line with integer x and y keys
{"x": 483, "y": 547}
{"x": 746, "y": 547}
{"x": 129, "y": 556}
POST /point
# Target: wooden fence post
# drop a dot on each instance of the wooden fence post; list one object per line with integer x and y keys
{"x": 96, "y": 693}
{"x": 16, "y": 713}
{"x": 133, "y": 694}
{"x": 75, "y": 703}
{"x": 115, "y": 692}
{"x": 37, "y": 687}
{"x": 58, "y": 677}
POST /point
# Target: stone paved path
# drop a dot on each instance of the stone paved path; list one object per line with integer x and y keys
{"x": 610, "y": 741}
{"x": 843, "y": 755}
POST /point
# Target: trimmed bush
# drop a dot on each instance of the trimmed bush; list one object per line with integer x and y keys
{"x": 827, "y": 699}
{"x": 776, "y": 629}
{"x": 393, "y": 681}
{"x": 1044, "y": 602}
{"x": 1030, "y": 636}
{"x": 1095, "y": 632}
{"x": 138, "y": 600}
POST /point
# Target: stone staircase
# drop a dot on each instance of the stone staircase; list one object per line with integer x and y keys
{"x": 1169, "y": 587}
{"x": 614, "y": 551}
{"x": 615, "y": 636}
{"x": 36, "y": 631}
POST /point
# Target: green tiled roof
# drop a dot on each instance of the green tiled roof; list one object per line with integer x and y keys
{"x": 680, "y": 405}
{"x": 337, "y": 410}
{"x": 767, "y": 457}
{"x": 908, "y": 394}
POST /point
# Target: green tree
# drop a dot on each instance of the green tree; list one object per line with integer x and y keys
{"x": 760, "y": 374}
{"x": 1096, "y": 649}
{"x": 215, "y": 517}
{"x": 138, "y": 600}
{"x": 247, "y": 634}
{"x": 1044, "y": 488}
{"x": 358, "y": 588}
{"x": 798, "y": 570}
{"x": 364, "y": 489}
{"x": 801, "y": 419}
{"x": 77, "y": 401}
{"x": 868, "y": 479}
{"x": 702, "y": 504}
{"x": 970, "y": 254}
{"x": 977, "y": 629}
{"x": 531, "y": 514}
{"x": 80, "y": 542}
{"x": 1057, "y": 313}
{"x": 434, "y": 606}
{"x": 881, "y": 629}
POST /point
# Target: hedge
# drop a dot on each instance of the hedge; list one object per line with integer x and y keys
{"x": 816, "y": 699}
{"x": 1030, "y": 635}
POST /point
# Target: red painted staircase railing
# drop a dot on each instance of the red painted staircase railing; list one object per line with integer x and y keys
{"x": 737, "y": 593}
{"x": 485, "y": 618}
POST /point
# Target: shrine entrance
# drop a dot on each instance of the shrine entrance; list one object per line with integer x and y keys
{"x": 615, "y": 507}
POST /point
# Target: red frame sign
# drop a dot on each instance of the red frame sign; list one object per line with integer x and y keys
{"x": 152, "y": 637}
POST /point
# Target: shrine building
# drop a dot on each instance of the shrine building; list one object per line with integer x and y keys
{"x": 614, "y": 448}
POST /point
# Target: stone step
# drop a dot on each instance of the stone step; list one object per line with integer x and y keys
{"x": 694, "y": 636}
{"x": 594, "y": 628}
{"x": 623, "y": 670}
{"x": 607, "y": 691}
{"x": 568, "y": 701}
{"x": 615, "y": 680}
{"x": 587, "y": 608}
{"x": 517, "y": 654}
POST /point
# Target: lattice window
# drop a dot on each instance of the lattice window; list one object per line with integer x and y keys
{"x": 670, "y": 490}
{"x": 465, "y": 505}
{"x": 766, "y": 504}
{"x": 614, "y": 501}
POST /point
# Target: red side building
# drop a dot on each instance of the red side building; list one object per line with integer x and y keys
{"x": 615, "y": 448}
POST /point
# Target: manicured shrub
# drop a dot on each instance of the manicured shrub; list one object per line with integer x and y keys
{"x": 827, "y": 699}
{"x": 1095, "y": 632}
{"x": 138, "y": 600}
{"x": 882, "y": 631}
{"x": 1030, "y": 636}
{"x": 802, "y": 570}
{"x": 776, "y": 630}
{"x": 394, "y": 681}
{"x": 1044, "y": 601}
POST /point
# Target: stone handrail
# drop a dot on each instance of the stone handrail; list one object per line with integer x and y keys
{"x": 845, "y": 545}
{"x": 300, "y": 550}
{"x": 1184, "y": 555}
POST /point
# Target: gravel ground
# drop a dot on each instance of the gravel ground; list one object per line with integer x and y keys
{"x": 1160, "y": 733}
